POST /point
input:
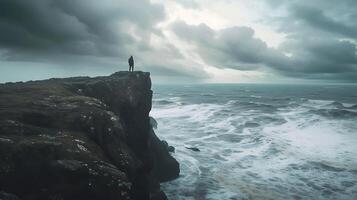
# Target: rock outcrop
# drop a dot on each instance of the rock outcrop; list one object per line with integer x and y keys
{"x": 81, "y": 138}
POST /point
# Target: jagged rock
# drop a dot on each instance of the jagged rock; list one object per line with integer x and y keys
{"x": 81, "y": 138}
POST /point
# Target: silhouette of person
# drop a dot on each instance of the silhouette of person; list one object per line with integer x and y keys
{"x": 131, "y": 64}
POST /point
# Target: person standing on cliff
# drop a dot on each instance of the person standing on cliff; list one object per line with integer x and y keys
{"x": 131, "y": 64}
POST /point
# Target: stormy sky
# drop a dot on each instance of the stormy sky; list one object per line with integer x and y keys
{"x": 184, "y": 41}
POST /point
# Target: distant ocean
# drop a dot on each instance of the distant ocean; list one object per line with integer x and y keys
{"x": 260, "y": 141}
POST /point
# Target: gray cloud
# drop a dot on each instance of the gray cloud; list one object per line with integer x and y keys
{"x": 322, "y": 58}
{"x": 316, "y": 18}
{"x": 87, "y": 35}
{"x": 42, "y": 30}
{"x": 233, "y": 47}
{"x": 321, "y": 36}
{"x": 237, "y": 48}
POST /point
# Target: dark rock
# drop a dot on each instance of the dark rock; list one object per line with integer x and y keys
{"x": 166, "y": 167}
{"x": 193, "y": 148}
{"x": 171, "y": 149}
{"x": 81, "y": 138}
{"x": 153, "y": 123}
{"x": 165, "y": 144}
{"x": 159, "y": 196}
{"x": 7, "y": 196}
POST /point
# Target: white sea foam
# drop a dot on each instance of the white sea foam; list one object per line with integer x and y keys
{"x": 289, "y": 149}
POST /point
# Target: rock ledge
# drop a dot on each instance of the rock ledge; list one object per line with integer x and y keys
{"x": 81, "y": 138}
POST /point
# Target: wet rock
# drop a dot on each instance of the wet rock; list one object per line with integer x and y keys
{"x": 167, "y": 146}
{"x": 81, "y": 138}
{"x": 166, "y": 168}
{"x": 193, "y": 148}
{"x": 171, "y": 149}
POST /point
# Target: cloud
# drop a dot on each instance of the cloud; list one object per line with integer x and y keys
{"x": 190, "y": 4}
{"x": 233, "y": 47}
{"x": 316, "y": 18}
{"x": 324, "y": 19}
{"x": 87, "y": 33}
{"x": 319, "y": 37}
{"x": 322, "y": 58}
{"x": 82, "y": 27}
{"x": 237, "y": 48}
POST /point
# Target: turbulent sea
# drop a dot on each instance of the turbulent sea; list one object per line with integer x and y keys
{"x": 260, "y": 141}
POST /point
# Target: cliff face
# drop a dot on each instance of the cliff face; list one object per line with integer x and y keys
{"x": 81, "y": 138}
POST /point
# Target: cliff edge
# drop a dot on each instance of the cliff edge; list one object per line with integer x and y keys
{"x": 81, "y": 138}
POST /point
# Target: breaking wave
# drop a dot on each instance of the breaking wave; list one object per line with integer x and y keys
{"x": 335, "y": 113}
{"x": 261, "y": 145}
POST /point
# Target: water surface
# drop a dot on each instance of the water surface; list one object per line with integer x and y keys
{"x": 260, "y": 141}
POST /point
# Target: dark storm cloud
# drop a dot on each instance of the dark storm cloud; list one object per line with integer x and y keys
{"x": 321, "y": 56}
{"x": 320, "y": 41}
{"x": 321, "y": 36}
{"x": 318, "y": 19}
{"x": 46, "y": 29}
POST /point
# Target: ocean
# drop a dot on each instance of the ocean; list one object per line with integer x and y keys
{"x": 260, "y": 141}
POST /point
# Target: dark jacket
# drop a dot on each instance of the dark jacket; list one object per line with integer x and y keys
{"x": 131, "y": 61}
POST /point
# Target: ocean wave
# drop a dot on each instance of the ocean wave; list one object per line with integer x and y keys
{"x": 251, "y": 124}
{"x": 327, "y": 166}
{"x": 281, "y": 98}
{"x": 208, "y": 95}
{"x": 270, "y": 120}
{"x": 192, "y": 112}
{"x": 163, "y": 102}
{"x": 330, "y": 109}
{"x": 319, "y": 103}
{"x": 337, "y": 104}
{"x": 335, "y": 113}
{"x": 232, "y": 102}
{"x": 231, "y": 138}
{"x": 340, "y": 105}
{"x": 168, "y": 101}
{"x": 255, "y": 106}
{"x": 259, "y": 148}
{"x": 255, "y": 96}
{"x": 350, "y": 106}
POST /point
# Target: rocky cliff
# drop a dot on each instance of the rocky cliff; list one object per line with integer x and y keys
{"x": 81, "y": 138}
